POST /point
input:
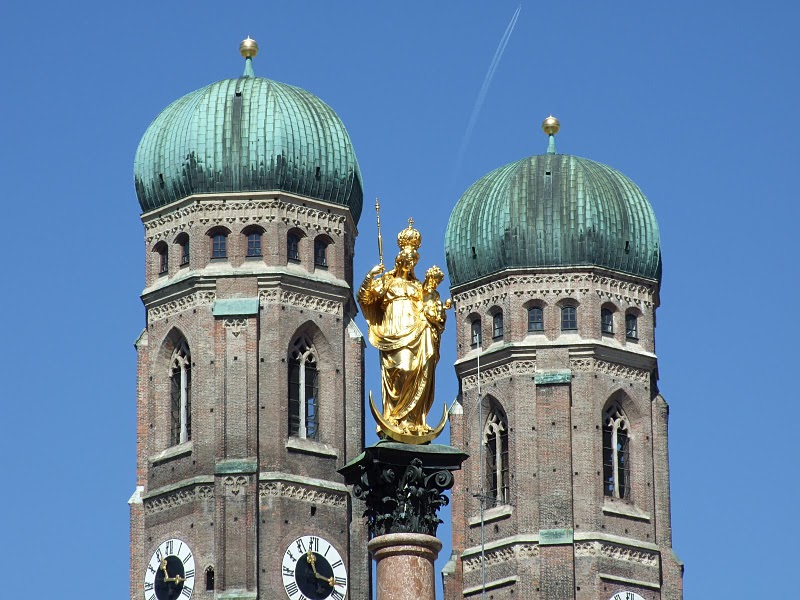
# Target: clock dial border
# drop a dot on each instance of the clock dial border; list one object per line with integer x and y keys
{"x": 324, "y": 550}
{"x": 173, "y": 547}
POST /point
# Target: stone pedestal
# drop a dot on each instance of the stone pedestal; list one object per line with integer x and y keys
{"x": 403, "y": 488}
{"x": 404, "y": 564}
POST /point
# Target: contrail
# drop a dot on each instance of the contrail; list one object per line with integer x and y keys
{"x": 487, "y": 81}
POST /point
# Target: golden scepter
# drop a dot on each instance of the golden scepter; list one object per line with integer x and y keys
{"x": 380, "y": 239}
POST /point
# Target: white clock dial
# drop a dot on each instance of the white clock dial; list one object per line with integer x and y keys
{"x": 312, "y": 569}
{"x": 625, "y": 595}
{"x": 170, "y": 572}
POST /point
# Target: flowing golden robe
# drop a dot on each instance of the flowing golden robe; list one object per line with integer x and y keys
{"x": 408, "y": 346}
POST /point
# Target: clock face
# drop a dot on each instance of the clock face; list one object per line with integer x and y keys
{"x": 170, "y": 572}
{"x": 623, "y": 595}
{"x": 313, "y": 570}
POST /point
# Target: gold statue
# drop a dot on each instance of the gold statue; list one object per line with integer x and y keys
{"x": 406, "y": 319}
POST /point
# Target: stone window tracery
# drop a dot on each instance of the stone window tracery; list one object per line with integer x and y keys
{"x": 616, "y": 452}
{"x": 303, "y": 390}
{"x": 180, "y": 395}
{"x": 495, "y": 440}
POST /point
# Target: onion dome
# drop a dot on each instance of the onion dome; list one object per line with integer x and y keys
{"x": 552, "y": 210}
{"x": 245, "y": 135}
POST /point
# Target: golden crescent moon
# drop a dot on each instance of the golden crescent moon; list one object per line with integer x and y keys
{"x": 407, "y": 438}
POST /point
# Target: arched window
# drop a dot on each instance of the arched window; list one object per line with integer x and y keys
{"x": 616, "y": 452}
{"x": 253, "y": 242}
{"x": 219, "y": 242}
{"x": 631, "y": 327}
{"x": 183, "y": 242}
{"x": 497, "y": 325}
{"x": 495, "y": 440}
{"x": 606, "y": 321}
{"x": 475, "y": 332}
{"x": 569, "y": 318}
{"x": 320, "y": 252}
{"x": 163, "y": 258}
{"x": 303, "y": 390}
{"x": 293, "y": 246}
{"x": 180, "y": 395}
{"x": 535, "y": 319}
{"x": 209, "y": 579}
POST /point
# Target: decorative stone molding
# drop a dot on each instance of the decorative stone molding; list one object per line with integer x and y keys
{"x": 501, "y": 555}
{"x": 556, "y": 284}
{"x": 177, "y": 498}
{"x": 601, "y": 366}
{"x": 617, "y": 552}
{"x": 235, "y": 325}
{"x": 274, "y": 296}
{"x": 234, "y": 485}
{"x": 227, "y": 212}
{"x": 173, "y": 307}
{"x": 281, "y": 490}
{"x": 521, "y": 367}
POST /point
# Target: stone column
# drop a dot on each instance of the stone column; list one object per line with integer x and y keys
{"x": 404, "y": 564}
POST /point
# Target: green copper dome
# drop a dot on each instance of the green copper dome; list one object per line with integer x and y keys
{"x": 246, "y": 135}
{"x": 552, "y": 210}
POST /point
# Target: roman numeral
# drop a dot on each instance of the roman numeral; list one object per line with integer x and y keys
{"x": 287, "y": 572}
{"x": 151, "y": 569}
{"x": 290, "y": 555}
{"x": 340, "y": 581}
{"x": 187, "y": 591}
{"x": 148, "y": 586}
{"x": 313, "y": 544}
{"x": 291, "y": 589}
{"x": 159, "y": 556}
{"x": 336, "y": 595}
{"x": 326, "y": 550}
{"x": 187, "y": 557}
{"x": 188, "y": 574}
{"x": 179, "y": 548}
{"x": 168, "y": 547}
{"x": 300, "y": 546}
{"x": 338, "y": 563}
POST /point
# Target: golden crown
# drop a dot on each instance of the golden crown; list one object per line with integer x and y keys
{"x": 409, "y": 238}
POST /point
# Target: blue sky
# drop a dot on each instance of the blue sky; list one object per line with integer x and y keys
{"x": 696, "y": 102}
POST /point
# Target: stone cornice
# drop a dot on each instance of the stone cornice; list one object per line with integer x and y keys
{"x": 557, "y": 284}
{"x": 246, "y": 208}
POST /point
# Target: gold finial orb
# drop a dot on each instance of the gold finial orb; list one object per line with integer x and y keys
{"x": 248, "y": 48}
{"x": 551, "y": 125}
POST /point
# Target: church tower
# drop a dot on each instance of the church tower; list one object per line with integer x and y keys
{"x": 250, "y": 366}
{"x": 555, "y": 266}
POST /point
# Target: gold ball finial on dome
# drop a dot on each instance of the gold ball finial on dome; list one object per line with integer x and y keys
{"x": 248, "y": 48}
{"x": 551, "y": 125}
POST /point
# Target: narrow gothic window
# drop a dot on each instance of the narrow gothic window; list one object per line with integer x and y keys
{"x": 209, "y": 578}
{"x": 569, "y": 318}
{"x": 163, "y": 260}
{"x": 495, "y": 439}
{"x": 219, "y": 245}
{"x": 606, "y": 321}
{"x": 184, "y": 244}
{"x": 631, "y": 327}
{"x": 180, "y": 395}
{"x": 303, "y": 391}
{"x": 535, "y": 319}
{"x": 616, "y": 453}
{"x": 497, "y": 325}
{"x": 293, "y": 246}
{"x": 475, "y": 333}
{"x": 254, "y": 243}
{"x": 321, "y": 253}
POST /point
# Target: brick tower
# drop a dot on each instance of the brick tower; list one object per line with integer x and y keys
{"x": 555, "y": 268}
{"x": 250, "y": 366}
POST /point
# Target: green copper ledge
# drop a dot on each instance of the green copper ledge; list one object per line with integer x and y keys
{"x": 247, "y": 134}
{"x": 552, "y": 210}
